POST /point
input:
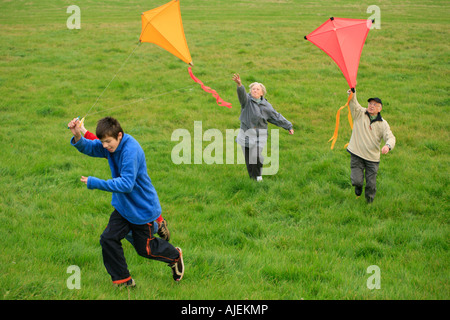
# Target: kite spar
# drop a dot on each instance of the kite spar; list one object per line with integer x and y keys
{"x": 163, "y": 26}
{"x": 343, "y": 40}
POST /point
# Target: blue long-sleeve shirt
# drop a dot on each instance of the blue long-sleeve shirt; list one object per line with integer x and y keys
{"x": 133, "y": 194}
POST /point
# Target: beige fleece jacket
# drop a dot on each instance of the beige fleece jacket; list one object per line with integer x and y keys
{"x": 366, "y": 136}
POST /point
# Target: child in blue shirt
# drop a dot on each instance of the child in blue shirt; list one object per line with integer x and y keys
{"x": 163, "y": 230}
{"x": 134, "y": 198}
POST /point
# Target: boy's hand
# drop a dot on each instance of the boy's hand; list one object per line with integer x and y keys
{"x": 291, "y": 131}
{"x": 82, "y": 128}
{"x": 75, "y": 128}
{"x": 385, "y": 150}
{"x": 84, "y": 179}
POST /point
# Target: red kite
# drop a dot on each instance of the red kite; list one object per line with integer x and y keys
{"x": 163, "y": 26}
{"x": 343, "y": 40}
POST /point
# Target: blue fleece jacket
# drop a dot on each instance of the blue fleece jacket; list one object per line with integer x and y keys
{"x": 134, "y": 196}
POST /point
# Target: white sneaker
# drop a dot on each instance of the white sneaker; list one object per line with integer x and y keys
{"x": 259, "y": 178}
{"x": 178, "y": 267}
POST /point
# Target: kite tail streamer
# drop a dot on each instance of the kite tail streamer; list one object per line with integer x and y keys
{"x": 338, "y": 114}
{"x": 349, "y": 115}
{"x": 219, "y": 100}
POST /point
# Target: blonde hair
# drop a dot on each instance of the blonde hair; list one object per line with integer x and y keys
{"x": 263, "y": 88}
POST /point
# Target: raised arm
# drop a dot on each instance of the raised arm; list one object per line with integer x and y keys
{"x": 242, "y": 94}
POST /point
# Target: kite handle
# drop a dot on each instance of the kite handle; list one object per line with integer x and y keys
{"x": 81, "y": 122}
{"x": 353, "y": 90}
{"x": 78, "y": 118}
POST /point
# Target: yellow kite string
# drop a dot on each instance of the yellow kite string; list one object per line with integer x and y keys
{"x": 98, "y": 98}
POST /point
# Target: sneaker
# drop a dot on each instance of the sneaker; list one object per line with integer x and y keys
{"x": 163, "y": 231}
{"x": 259, "y": 178}
{"x": 129, "y": 283}
{"x": 178, "y": 267}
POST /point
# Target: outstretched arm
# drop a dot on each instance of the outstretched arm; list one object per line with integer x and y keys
{"x": 93, "y": 148}
{"x": 242, "y": 94}
{"x": 355, "y": 107}
{"x": 74, "y": 127}
{"x": 237, "y": 79}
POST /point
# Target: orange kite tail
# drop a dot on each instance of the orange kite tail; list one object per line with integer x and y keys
{"x": 219, "y": 100}
{"x": 336, "y": 129}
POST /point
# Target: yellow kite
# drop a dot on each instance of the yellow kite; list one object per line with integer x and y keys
{"x": 163, "y": 27}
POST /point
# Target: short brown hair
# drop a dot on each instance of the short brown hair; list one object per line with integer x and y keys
{"x": 108, "y": 126}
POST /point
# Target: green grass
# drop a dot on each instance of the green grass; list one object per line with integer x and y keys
{"x": 300, "y": 234}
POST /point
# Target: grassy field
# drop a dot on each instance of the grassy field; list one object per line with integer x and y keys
{"x": 300, "y": 234}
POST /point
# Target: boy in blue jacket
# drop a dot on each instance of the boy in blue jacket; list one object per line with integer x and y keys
{"x": 135, "y": 201}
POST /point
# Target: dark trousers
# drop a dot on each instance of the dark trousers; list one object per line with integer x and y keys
{"x": 253, "y": 160}
{"x": 144, "y": 242}
{"x": 360, "y": 166}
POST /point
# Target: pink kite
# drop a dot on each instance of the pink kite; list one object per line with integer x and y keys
{"x": 343, "y": 40}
